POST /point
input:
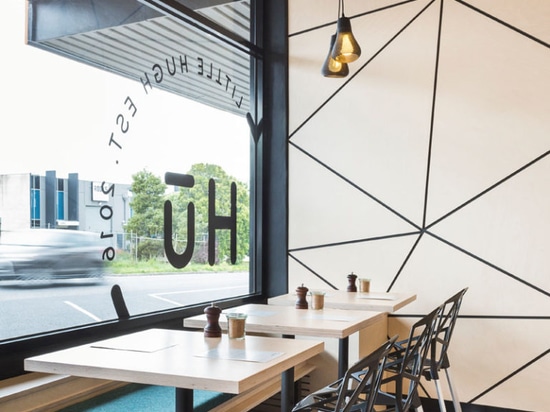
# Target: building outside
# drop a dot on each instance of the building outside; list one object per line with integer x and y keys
{"x": 32, "y": 201}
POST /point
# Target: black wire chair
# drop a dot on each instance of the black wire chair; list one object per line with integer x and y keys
{"x": 404, "y": 367}
{"x": 356, "y": 391}
{"x": 439, "y": 359}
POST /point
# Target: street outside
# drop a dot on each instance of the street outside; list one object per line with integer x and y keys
{"x": 33, "y": 306}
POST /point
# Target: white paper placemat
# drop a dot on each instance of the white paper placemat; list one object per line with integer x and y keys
{"x": 335, "y": 318}
{"x": 377, "y": 296}
{"x": 130, "y": 343}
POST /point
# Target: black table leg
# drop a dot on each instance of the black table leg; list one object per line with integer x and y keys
{"x": 184, "y": 400}
{"x": 291, "y": 395}
{"x": 287, "y": 390}
{"x": 343, "y": 356}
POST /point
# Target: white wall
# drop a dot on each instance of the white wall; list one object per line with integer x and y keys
{"x": 427, "y": 169}
{"x": 15, "y": 201}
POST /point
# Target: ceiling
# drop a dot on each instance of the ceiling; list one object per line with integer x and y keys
{"x": 136, "y": 41}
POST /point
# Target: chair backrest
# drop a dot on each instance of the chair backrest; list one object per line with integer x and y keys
{"x": 406, "y": 369}
{"x": 356, "y": 391}
{"x": 444, "y": 330}
{"x": 119, "y": 303}
{"x": 364, "y": 377}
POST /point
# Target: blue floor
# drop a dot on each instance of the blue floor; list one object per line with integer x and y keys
{"x": 137, "y": 398}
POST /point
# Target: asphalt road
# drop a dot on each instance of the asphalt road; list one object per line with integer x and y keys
{"x": 32, "y": 307}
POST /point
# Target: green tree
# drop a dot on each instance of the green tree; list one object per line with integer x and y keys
{"x": 147, "y": 219}
{"x": 198, "y": 194}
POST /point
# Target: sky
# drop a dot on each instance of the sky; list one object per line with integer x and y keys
{"x": 58, "y": 114}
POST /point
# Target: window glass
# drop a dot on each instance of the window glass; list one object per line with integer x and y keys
{"x": 141, "y": 128}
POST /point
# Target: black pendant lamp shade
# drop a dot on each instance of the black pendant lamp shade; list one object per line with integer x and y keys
{"x": 331, "y": 67}
{"x": 346, "y": 49}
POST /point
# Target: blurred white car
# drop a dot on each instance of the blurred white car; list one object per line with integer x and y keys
{"x": 50, "y": 254}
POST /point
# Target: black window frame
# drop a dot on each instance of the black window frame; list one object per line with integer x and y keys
{"x": 269, "y": 172}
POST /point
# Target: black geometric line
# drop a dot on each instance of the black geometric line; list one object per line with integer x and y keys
{"x": 432, "y": 116}
{"x": 310, "y": 29}
{"x": 491, "y": 265}
{"x": 507, "y": 317}
{"x": 359, "y": 71}
{"x": 404, "y": 262}
{"x": 532, "y": 361}
{"x": 509, "y": 26}
{"x": 390, "y": 6}
{"x": 349, "y": 242}
{"x": 343, "y": 177}
{"x": 521, "y": 169}
{"x": 477, "y": 317}
{"x": 545, "y": 318}
{"x": 312, "y": 271}
{"x": 354, "y": 185}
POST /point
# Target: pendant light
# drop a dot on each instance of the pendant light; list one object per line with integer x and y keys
{"x": 346, "y": 49}
{"x": 331, "y": 67}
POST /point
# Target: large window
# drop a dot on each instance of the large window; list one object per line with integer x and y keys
{"x": 143, "y": 117}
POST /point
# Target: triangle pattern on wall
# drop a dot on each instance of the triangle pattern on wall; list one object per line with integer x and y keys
{"x": 451, "y": 172}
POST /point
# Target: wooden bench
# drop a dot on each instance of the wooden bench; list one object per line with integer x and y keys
{"x": 39, "y": 392}
{"x": 43, "y": 392}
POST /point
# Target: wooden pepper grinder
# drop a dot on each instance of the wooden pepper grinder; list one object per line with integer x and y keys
{"x": 212, "y": 328}
{"x": 352, "y": 287}
{"x": 301, "y": 292}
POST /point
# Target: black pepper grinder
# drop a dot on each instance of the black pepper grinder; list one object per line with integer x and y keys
{"x": 351, "y": 282}
{"x": 301, "y": 292}
{"x": 212, "y": 328}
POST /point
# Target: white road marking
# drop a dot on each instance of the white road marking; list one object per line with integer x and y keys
{"x": 84, "y": 311}
{"x": 160, "y": 295}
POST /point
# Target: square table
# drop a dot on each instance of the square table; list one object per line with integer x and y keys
{"x": 341, "y": 299}
{"x": 185, "y": 360}
{"x": 289, "y": 321}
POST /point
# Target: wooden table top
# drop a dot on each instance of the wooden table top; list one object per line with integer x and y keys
{"x": 182, "y": 359}
{"x": 341, "y": 299}
{"x": 287, "y": 320}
